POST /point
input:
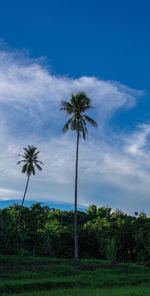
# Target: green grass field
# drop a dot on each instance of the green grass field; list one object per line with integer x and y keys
{"x": 26, "y": 276}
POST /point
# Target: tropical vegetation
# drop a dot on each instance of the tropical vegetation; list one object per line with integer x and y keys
{"x": 104, "y": 234}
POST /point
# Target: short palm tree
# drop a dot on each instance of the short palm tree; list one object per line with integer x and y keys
{"x": 76, "y": 108}
{"x": 30, "y": 162}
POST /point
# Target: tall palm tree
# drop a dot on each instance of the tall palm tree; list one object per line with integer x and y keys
{"x": 76, "y": 108}
{"x": 30, "y": 162}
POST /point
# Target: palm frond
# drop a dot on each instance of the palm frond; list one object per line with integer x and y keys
{"x": 83, "y": 131}
{"x": 80, "y": 101}
{"x": 80, "y": 97}
{"x": 30, "y": 169}
{"x": 67, "y": 107}
{"x": 36, "y": 154}
{"x": 40, "y": 162}
{"x": 74, "y": 125}
{"x": 38, "y": 166}
{"x": 33, "y": 170}
{"x": 67, "y": 125}
{"x": 20, "y": 161}
{"x": 84, "y": 123}
{"x": 86, "y": 108}
{"x": 24, "y": 168}
{"x": 84, "y": 128}
{"x": 91, "y": 121}
{"x": 26, "y": 150}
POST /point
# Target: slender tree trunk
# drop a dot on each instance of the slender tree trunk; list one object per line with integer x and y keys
{"x": 22, "y": 203}
{"x": 75, "y": 209}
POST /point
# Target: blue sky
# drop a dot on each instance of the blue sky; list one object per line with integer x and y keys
{"x": 49, "y": 49}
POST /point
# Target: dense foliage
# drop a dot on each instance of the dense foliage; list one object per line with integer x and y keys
{"x": 103, "y": 234}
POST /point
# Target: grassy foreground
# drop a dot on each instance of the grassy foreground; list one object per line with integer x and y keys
{"x": 26, "y": 276}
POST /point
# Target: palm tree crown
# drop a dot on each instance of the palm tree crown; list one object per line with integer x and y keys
{"x": 30, "y": 160}
{"x": 79, "y": 103}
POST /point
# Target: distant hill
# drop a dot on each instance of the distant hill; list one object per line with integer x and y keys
{"x": 28, "y": 203}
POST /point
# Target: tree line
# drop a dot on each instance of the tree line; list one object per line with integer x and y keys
{"x": 103, "y": 234}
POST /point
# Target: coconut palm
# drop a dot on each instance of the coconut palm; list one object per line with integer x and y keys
{"x": 30, "y": 162}
{"x": 76, "y": 108}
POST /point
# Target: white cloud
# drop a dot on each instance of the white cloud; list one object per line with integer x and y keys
{"x": 138, "y": 144}
{"x": 110, "y": 172}
{"x": 28, "y": 82}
